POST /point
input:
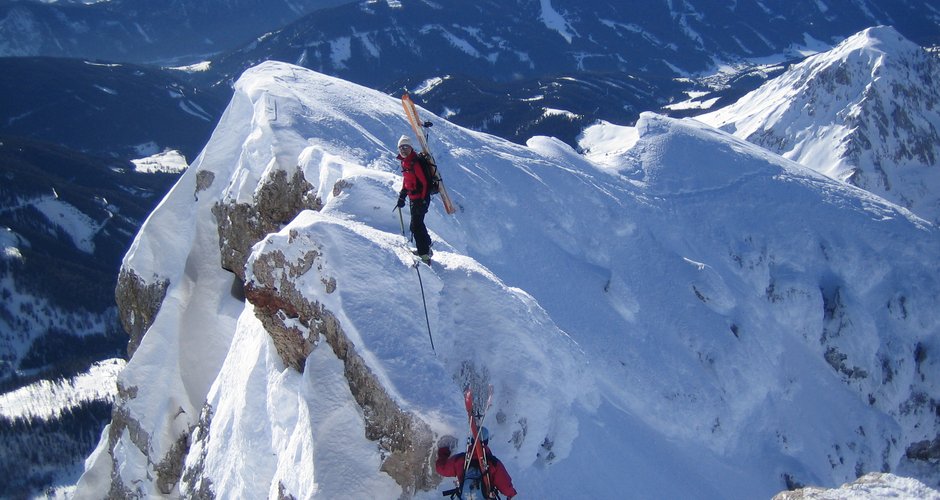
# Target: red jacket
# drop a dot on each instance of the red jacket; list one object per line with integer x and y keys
{"x": 413, "y": 181}
{"x": 452, "y": 466}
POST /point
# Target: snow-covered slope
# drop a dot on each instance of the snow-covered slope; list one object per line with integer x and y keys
{"x": 866, "y": 112}
{"x": 692, "y": 316}
{"x": 874, "y": 485}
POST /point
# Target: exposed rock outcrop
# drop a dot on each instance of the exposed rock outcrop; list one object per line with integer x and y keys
{"x": 277, "y": 301}
{"x": 925, "y": 450}
{"x": 168, "y": 468}
{"x": 296, "y": 324}
{"x": 138, "y": 303}
{"x": 276, "y": 202}
{"x": 196, "y": 484}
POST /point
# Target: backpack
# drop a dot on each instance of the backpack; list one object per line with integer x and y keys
{"x": 473, "y": 486}
{"x": 430, "y": 173}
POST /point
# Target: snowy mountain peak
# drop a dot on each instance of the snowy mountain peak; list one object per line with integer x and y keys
{"x": 878, "y": 40}
{"x": 866, "y": 112}
{"x": 693, "y": 305}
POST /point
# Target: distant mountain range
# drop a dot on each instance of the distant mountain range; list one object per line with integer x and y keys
{"x": 70, "y": 205}
{"x": 502, "y": 65}
{"x": 66, "y": 219}
{"x": 374, "y": 43}
{"x": 141, "y": 31}
{"x": 119, "y": 110}
{"x": 71, "y": 199}
{"x": 515, "y": 69}
{"x": 866, "y": 112}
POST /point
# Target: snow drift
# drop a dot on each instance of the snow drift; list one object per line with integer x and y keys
{"x": 686, "y": 315}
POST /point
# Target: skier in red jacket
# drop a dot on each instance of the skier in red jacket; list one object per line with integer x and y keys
{"x": 415, "y": 187}
{"x": 453, "y": 466}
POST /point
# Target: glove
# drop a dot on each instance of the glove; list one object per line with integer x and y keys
{"x": 448, "y": 441}
{"x": 401, "y": 201}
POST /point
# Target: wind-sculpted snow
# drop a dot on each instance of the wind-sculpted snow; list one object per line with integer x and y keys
{"x": 780, "y": 265}
{"x": 685, "y": 313}
{"x": 484, "y": 331}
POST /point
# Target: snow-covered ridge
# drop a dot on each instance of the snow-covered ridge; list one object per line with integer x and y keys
{"x": 168, "y": 162}
{"x": 47, "y": 399}
{"x": 696, "y": 305}
{"x": 866, "y": 112}
{"x": 870, "y": 486}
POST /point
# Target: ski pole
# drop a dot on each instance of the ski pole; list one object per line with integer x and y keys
{"x": 401, "y": 219}
{"x": 424, "y": 301}
{"x": 426, "y": 320}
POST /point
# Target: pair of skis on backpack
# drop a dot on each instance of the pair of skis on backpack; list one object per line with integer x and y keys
{"x": 420, "y": 129}
{"x": 475, "y": 448}
{"x": 427, "y": 161}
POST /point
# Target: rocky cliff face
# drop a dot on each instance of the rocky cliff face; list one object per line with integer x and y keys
{"x": 233, "y": 223}
{"x": 281, "y": 306}
{"x": 295, "y": 325}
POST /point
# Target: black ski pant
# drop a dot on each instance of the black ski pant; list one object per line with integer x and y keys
{"x": 419, "y": 208}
